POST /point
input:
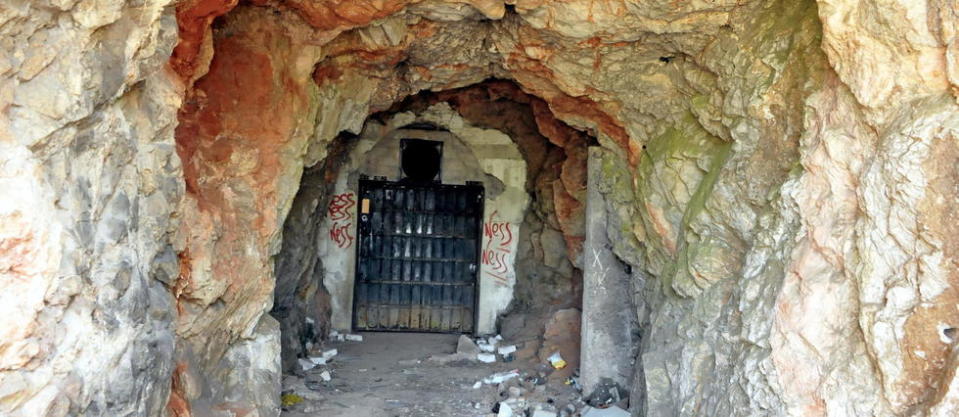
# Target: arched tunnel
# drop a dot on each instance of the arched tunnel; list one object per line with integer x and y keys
{"x": 479, "y": 207}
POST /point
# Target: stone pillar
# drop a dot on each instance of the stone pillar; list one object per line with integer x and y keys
{"x": 605, "y": 357}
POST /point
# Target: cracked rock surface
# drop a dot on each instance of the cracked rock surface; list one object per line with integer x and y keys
{"x": 780, "y": 176}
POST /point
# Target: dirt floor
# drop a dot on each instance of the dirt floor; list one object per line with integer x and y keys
{"x": 389, "y": 375}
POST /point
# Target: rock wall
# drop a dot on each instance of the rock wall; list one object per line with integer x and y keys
{"x": 239, "y": 187}
{"x": 773, "y": 262}
{"x": 89, "y": 179}
{"x": 302, "y": 303}
{"x": 781, "y": 178}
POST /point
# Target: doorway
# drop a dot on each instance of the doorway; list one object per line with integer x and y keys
{"x": 417, "y": 256}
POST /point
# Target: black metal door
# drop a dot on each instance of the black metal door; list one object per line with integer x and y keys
{"x": 417, "y": 256}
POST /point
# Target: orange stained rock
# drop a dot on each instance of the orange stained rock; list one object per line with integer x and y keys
{"x": 333, "y": 14}
{"x": 194, "y": 18}
{"x": 326, "y": 73}
{"x": 177, "y": 404}
{"x": 587, "y": 108}
{"x": 930, "y": 361}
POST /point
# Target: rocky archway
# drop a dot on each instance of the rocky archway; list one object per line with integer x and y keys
{"x": 539, "y": 279}
{"x": 262, "y": 171}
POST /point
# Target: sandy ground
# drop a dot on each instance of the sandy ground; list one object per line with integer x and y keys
{"x": 388, "y": 375}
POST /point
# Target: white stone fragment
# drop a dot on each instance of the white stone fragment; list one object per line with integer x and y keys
{"x": 325, "y": 375}
{"x": 505, "y": 410}
{"x": 354, "y": 337}
{"x": 318, "y": 360}
{"x": 486, "y": 357}
{"x": 329, "y": 354}
{"x": 306, "y": 364}
{"x": 506, "y": 350}
{"x": 466, "y": 346}
{"x": 501, "y": 377}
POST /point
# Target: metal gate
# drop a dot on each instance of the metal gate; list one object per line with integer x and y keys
{"x": 417, "y": 256}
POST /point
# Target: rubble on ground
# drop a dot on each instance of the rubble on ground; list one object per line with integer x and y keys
{"x": 336, "y": 336}
{"x": 542, "y": 385}
{"x": 612, "y": 411}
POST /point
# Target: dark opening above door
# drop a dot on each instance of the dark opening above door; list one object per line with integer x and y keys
{"x": 417, "y": 256}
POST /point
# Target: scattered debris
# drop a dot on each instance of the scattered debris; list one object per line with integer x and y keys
{"x": 486, "y": 357}
{"x": 306, "y": 364}
{"x": 506, "y": 350}
{"x": 500, "y": 377}
{"x": 544, "y": 385}
{"x": 536, "y": 380}
{"x": 573, "y": 381}
{"x": 325, "y": 375}
{"x": 466, "y": 346}
{"x": 466, "y": 349}
{"x": 489, "y": 345}
{"x": 613, "y": 411}
{"x": 290, "y": 399}
{"x": 504, "y": 410}
{"x": 606, "y": 393}
{"x": 557, "y": 361}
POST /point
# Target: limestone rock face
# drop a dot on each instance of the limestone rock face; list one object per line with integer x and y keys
{"x": 780, "y": 176}
{"x": 301, "y": 301}
{"x": 89, "y": 179}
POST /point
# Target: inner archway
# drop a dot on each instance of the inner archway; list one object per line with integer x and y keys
{"x": 514, "y": 170}
{"x": 768, "y": 192}
{"x": 492, "y": 135}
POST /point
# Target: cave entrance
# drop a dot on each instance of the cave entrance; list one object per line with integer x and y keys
{"x": 417, "y": 253}
{"x": 507, "y": 258}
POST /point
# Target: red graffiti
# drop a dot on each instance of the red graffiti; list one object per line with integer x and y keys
{"x": 496, "y": 252}
{"x": 340, "y": 206}
{"x": 498, "y": 231}
{"x": 342, "y": 217}
{"x": 340, "y": 234}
